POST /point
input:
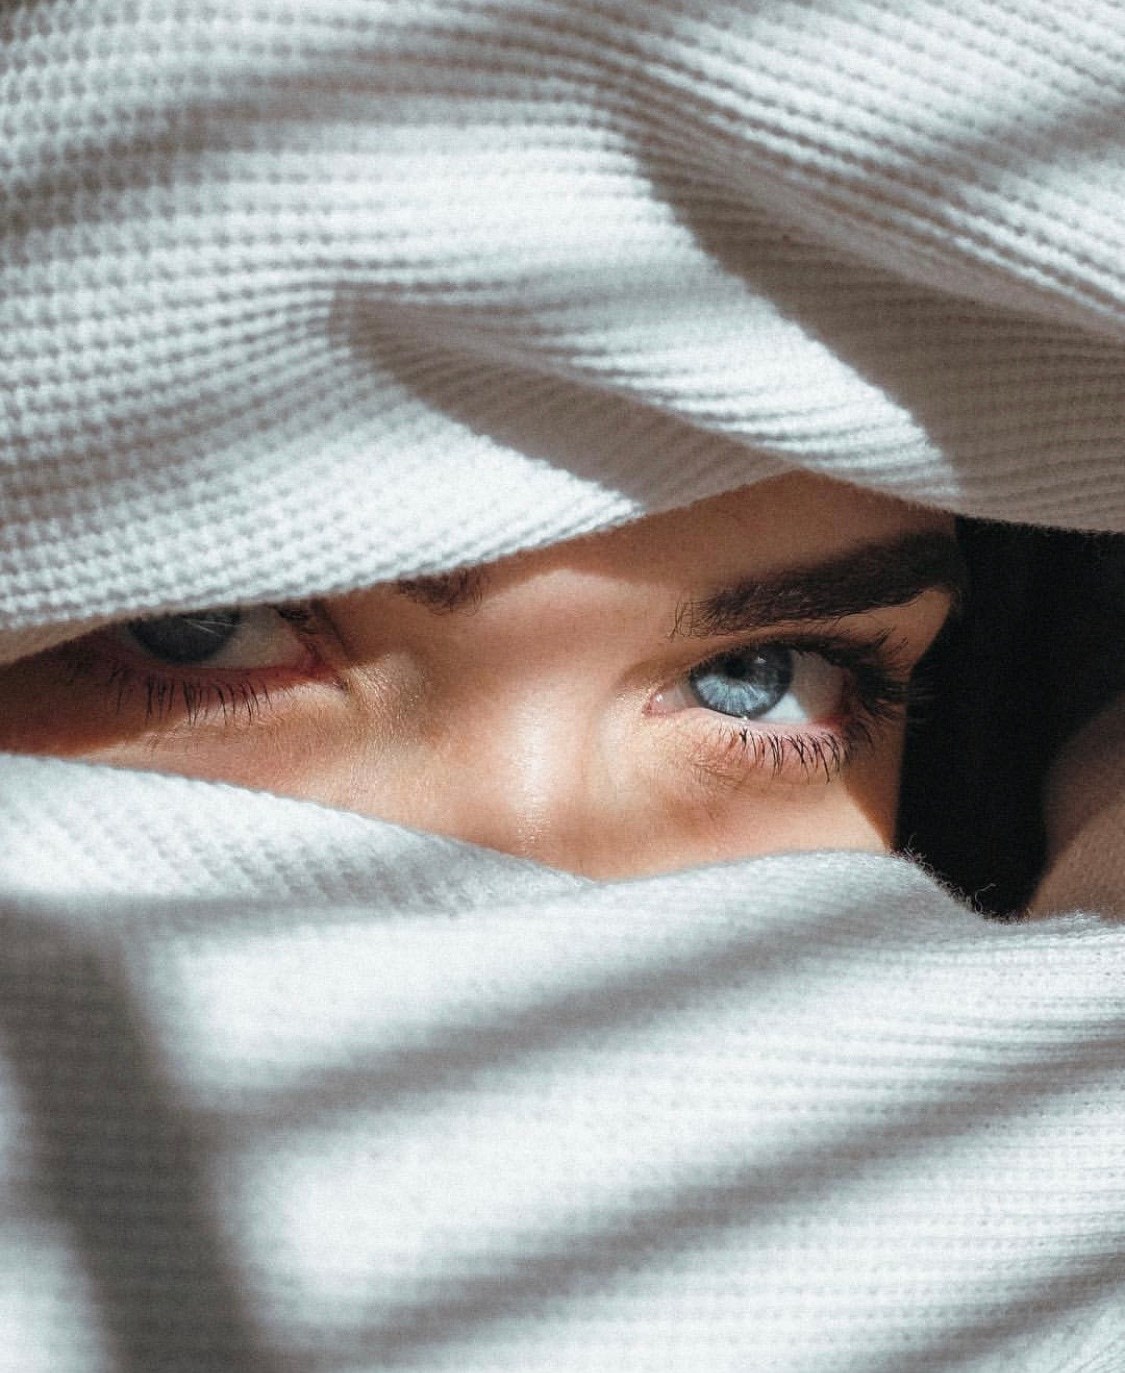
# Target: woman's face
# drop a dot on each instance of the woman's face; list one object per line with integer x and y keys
{"x": 720, "y": 681}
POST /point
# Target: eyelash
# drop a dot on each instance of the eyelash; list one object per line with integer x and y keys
{"x": 202, "y": 698}
{"x": 876, "y": 693}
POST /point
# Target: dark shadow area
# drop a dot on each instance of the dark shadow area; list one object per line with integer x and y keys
{"x": 1039, "y": 650}
{"x": 119, "y": 1166}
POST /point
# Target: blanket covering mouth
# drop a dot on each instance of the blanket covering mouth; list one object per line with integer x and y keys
{"x": 296, "y": 298}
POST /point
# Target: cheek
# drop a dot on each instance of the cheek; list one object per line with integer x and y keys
{"x": 872, "y": 788}
{"x": 856, "y": 810}
{"x": 292, "y": 758}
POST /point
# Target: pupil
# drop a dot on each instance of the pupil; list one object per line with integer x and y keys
{"x": 746, "y": 683}
{"x": 187, "y": 638}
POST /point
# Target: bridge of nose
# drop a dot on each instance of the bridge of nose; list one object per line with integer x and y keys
{"x": 532, "y": 776}
{"x": 519, "y": 728}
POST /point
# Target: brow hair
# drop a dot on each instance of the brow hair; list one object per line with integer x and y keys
{"x": 868, "y": 578}
{"x": 446, "y": 592}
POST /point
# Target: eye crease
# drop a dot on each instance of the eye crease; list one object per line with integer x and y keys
{"x": 872, "y": 577}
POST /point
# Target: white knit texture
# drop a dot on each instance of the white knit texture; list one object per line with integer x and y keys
{"x": 485, "y": 275}
{"x": 802, "y": 1113}
{"x": 298, "y": 295}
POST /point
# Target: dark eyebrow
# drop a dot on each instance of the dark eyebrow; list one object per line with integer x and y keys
{"x": 868, "y": 578}
{"x": 445, "y": 591}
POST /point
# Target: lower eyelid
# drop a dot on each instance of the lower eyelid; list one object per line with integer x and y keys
{"x": 729, "y": 751}
{"x": 130, "y": 685}
{"x": 742, "y": 753}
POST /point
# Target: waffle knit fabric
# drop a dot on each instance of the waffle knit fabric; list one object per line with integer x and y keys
{"x": 297, "y": 297}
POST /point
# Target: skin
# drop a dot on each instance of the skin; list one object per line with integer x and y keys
{"x": 540, "y": 718}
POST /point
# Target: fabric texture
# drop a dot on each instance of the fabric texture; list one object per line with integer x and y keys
{"x": 299, "y": 297}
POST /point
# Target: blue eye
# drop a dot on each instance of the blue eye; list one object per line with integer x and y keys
{"x": 229, "y": 638}
{"x": 774, "y": 683}
{"x": 187, "y": 639}
{"x": 746, "y": 683}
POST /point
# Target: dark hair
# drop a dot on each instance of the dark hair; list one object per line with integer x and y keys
{"x": 1037, "y": 651}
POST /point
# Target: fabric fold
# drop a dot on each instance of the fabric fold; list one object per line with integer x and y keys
{"x": 615, "y": 1118}
{"x": 296, "y": 299}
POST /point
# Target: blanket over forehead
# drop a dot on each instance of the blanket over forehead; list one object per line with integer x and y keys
{"x": 298, "y": 297}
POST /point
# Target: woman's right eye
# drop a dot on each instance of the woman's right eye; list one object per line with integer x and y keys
{"x": 229, "y": 638}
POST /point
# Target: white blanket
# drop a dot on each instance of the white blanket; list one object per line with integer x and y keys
{"x": 297, "y": 297}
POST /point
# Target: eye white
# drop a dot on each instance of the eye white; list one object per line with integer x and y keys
{"x": 815, "y": 693}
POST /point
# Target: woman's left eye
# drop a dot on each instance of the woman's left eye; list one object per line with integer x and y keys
{"x": 770, "y": 683}
{"x": 234, "y": 639}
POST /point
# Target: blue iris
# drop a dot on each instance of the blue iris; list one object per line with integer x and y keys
{"x": 187, "y": 638}
{"x": 747, "y": 682}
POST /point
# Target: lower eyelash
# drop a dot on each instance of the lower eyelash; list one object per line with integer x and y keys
{"x": 878, "y": 697}
{"x": 199, "y": 699}
{"x": 827, "y": 752}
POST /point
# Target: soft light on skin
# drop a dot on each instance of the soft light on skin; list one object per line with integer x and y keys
{"x": 524, "y": 721}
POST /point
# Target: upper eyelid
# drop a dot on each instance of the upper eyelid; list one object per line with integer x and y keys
{"x": 880, "y": 649}
{"x": 873, "y": 577}
{"x": 689, "y": 627}
{"x": 900, "y": 644}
